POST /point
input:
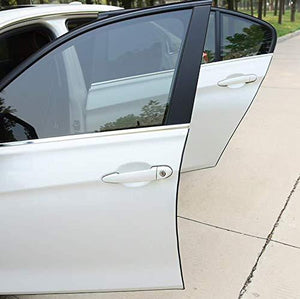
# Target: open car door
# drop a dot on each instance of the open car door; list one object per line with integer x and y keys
{"x": 92, "y": 133}
{"x": 237, "y": 53}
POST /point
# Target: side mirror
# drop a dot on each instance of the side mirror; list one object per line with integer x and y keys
{"x": 13, "y": 128}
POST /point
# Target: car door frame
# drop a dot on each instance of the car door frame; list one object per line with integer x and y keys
{"x": 185, "y": 82}
{"x": 192, "y": 161}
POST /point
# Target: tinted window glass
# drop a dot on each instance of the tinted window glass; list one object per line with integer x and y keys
{"x": 114, "y": 77}
{"x": 241, "y": 37}
{"x": 210, "y": 41}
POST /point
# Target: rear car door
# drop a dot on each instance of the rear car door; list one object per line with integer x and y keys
{"x": 237, "y": 54}
{"x": 92, "y": 132}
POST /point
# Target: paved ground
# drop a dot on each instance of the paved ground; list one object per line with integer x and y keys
{"x": 239, "y": 223}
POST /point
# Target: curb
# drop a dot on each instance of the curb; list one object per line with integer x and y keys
{"x": 288, "y": 36}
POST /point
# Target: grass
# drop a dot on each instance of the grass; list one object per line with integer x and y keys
{"x": 286, "y": 27}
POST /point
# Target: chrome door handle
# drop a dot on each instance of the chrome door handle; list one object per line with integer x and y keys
{"x": 152, "y": 174}
{"x": 237, "y": 81}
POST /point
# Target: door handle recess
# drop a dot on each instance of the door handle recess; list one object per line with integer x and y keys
{"x": 154, "y": 173}
{"x": 238, "y": 80}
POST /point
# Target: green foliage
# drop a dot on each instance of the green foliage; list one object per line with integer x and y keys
{"x": 151, "y": 114}
{"x": 244, "y": 44}
{"x": 287, "y": 26}
{"x": 5, "y": 109}
{"x": 6, "y": 125}
{"x": 128, "y": 121}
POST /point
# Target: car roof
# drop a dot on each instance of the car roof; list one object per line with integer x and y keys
{"x": 12, "y": 16}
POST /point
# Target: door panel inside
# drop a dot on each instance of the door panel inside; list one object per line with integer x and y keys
{"x": 218, "y": 110}
{"x": 69, "y": 231}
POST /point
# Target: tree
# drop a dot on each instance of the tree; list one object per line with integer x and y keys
{"x": 251, "y": 7}
{"x": 6, "y": 125}
{"x": 236, "y": 4}
{"x": 265, "y": 8}
{"x": 244, "y": 44}
{"x": 23, "y": 2}
{"x": 151, "y": 114}
{"x": 126, "y": 3}
{"x": 230, "y": 4}
{"x": 276, "y": 7}
{"x": 259, "y": 9}
{"x": 293, "y": 10}
{"x": 281, "y": 5}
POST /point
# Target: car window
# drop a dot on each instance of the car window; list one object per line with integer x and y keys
{"x": 241, "y": 37}
{"x": 19, "y": 44}
{"x": 113, "y": 77}
{"x": 72, "y": 24}
{"x": 209, "y": 53}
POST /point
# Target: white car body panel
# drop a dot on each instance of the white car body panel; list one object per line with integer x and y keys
{"x": 218, "y": 110}
{"x": 63, "y": 237}
{"x": 43, "y": 12}
{"x": 88, "y": 212}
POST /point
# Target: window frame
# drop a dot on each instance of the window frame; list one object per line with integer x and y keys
{"x": 85, "y": 20}
{"x": 186, "y": 78}
{"x": 220, "y": 11}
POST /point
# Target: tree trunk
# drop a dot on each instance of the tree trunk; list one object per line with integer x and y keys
{"x": 150, "y": 2}
{"x": 276, "y": 8}
{"x": 281, "y": 5}
{"x": 23, "y": 2}
{"x": 230, "y": 4}
{"x": 259, "y": 10}
{"x": 251, "y": 6}
{"x": 236, "y": 3}
{"x": 126, "y": 3}
{"x": 4, "y": 3}
{"x": 265, "y": 8}
{"x": 293, "y": 10}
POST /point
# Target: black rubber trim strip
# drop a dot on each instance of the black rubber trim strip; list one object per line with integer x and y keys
{"x": 176, "y": 210}
{"x": 185, "y": 83}
{"x": 218, "y": 35}
{"x": 99, "y": 23}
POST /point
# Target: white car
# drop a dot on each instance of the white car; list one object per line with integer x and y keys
{"x": 95, "y": 129}
{"x": 24, "y": 30}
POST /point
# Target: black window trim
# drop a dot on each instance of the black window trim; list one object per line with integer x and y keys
{"x": 185, "y": 81}
{"x": 85, "y": 20}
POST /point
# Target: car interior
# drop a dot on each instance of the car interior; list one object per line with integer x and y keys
{"x": 19, "y": 44}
